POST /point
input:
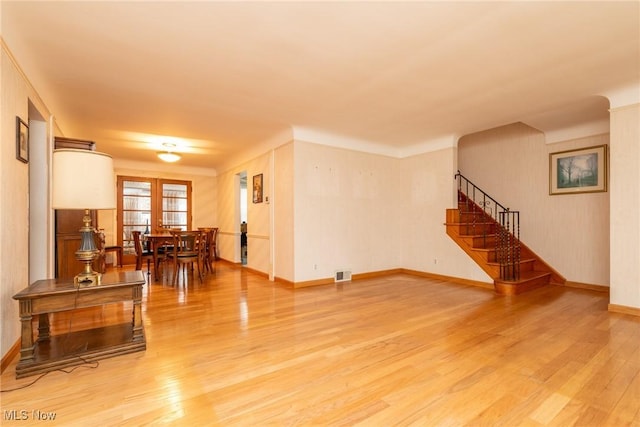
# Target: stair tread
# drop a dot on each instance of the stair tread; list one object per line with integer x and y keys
{"x": 526, "y": 276}
{"x": 524, "y": 260}
{"x": 534, "y": 272}
{"x": 471, "y": 223}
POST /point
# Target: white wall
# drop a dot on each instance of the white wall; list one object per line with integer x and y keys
{"x": 570, "y": 232}
{"x": 342, "y": 209}
{"x": 367, "y": 212}
{"x": 346, "y": 211}
{"x": 625, "y": 206}
{"x": 41, "y": 251}
{"x": 229, "y": 216}
{"x": 15, "y": 95}
{"x": 428, "y": 190}
{"x": 284, "y": 223}
{"x": 258, "y": 215}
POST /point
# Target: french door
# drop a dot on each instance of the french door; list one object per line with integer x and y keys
{"x": 148, "y": 204}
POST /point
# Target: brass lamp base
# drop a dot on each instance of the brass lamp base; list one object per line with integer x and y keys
{"x": 88, "y": 277}
{"x": 86, "y": 254}
{"x": 83, "y": 281}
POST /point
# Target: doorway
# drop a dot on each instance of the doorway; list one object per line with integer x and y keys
{"x": 40, "y": 218}
{"x": 148, "y": 205}
{"x": 243, "y": 218}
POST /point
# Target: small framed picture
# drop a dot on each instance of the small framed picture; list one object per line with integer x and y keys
{"x": 578, "y": 171}
{"x": 22, "y": 140}
{"x": 257, "y": 188}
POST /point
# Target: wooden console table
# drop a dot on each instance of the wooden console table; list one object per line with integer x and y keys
{"x": 48, "y": 352}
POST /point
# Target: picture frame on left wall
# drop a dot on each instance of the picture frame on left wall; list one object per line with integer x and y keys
{"x": 22, "y": 140}
{"x": 257, "y": 188}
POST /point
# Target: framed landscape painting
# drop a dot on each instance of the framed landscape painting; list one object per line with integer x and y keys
{"x": 578, "y": 171}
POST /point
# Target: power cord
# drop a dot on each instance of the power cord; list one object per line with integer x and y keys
{"x": 66, "y": 336}
{"x": 87, "y": 364}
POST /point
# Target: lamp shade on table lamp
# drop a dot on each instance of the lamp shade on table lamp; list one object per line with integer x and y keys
{"x": 85, "y": 180}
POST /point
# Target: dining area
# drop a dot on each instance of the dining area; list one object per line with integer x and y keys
{"x": 156, "y": 224}
{"x": 173, "y": 252}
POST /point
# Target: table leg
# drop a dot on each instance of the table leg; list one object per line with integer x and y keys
{"x": 43, "y": 327}
{"x": 154, "y": 247}
{"x": 27, "y": 346}
{"x": 138, "y": 331}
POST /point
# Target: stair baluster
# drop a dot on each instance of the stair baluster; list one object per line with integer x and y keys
{"x": 495, "y": 220}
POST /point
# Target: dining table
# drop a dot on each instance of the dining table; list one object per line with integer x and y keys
{"x": 155, "y": 241}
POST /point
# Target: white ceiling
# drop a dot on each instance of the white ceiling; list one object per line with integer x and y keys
{"x": 392, "y": 77}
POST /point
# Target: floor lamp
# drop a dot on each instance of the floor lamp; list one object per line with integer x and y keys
{"x": 84, "y": 180}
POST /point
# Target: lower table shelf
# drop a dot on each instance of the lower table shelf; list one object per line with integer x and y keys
{"x": 47, "y": 296}
{"x": 77, "y": 348}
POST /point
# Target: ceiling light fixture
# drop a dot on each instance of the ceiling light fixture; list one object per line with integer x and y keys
{"x": 169, "y": 156}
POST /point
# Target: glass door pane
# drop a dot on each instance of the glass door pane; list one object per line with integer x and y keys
{"x": 136, "y": 211}
{"x": 176, "y": 203}
{"x": 149, "y": 204}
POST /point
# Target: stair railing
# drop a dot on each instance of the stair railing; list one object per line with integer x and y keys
{"x": 484, "y": 216}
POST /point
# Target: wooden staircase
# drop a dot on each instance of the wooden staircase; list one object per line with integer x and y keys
{"x": 476, "y": 232}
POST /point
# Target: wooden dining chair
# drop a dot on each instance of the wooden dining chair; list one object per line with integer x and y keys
{"x": 209, "y": 250}
{"x": 141, "y": 252}
{"x": 214, "y": 244}
{"x": 187, "y": 250}
{"x": 161, "y": 230}
{"x": 165, "y": 248}
{"x": 104, "y": 249}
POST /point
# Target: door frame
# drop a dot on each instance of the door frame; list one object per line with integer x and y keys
{"x": 155, "y": 220}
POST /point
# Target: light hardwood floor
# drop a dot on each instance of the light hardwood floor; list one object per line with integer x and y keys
{"x": 395, "y": 350}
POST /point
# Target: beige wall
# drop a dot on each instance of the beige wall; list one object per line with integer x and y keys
{"x": 15, "y": 94}
{"x": 258, "y": 214}
{"x": 408, "y": 197}
{"x": 428, "y": 189}
{"x": 570, "y": 232}
{"x": 346, "y": 211}
{"x": 283, "y": 214}
{"x": 625, "y": 206}
{"x": 363, "y": 211}
{"x": 366, "y": 212}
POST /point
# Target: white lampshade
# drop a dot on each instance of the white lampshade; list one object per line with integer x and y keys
{"x": 83, "y": 179}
